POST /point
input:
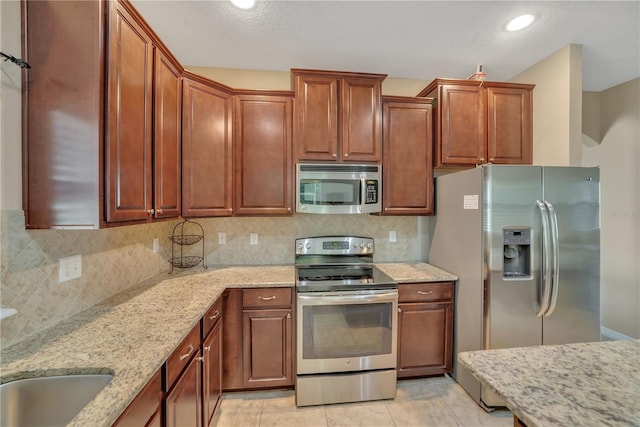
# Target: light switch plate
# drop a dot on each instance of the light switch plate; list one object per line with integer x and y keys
{"x": 70, "y": 268}
{"x": 392, "y": 236}
{"x": 253, "y": 239}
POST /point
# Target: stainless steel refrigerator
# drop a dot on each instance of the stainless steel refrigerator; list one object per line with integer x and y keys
{"x": 525, "y": 244}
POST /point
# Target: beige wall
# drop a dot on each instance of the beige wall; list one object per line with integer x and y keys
{"x": 612, "y": 120}
{"x": 557, "y": 106}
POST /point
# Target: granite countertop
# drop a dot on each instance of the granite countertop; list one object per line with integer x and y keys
{"x": 588, "y": 384}
{"x": 132, "y": 334}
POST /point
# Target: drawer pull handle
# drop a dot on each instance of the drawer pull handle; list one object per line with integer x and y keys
{"x": 425, "y": 292}
{"x": 215, "y": 315}
{"x": 271, "y": 298}
{"x": 184, "y": 356}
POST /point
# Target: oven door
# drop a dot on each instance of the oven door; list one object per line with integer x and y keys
{"x": 346, "y": 331}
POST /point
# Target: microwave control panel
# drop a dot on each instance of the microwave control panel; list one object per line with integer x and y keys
{"x": 372, "y": 191}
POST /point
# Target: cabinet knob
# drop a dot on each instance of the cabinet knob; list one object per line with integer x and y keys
{"x": 482, "y": 159}
{"x": 207, "y": 348}
{"x": 160, "y": 211}
{"x": 151, "y": 211}
{"x": 399, "y": 310}
{"x": 288, "y": 315}
{"x": 335, "y": 155}
{"x": 200, "y": 359}
{"x": 346, "y": 154}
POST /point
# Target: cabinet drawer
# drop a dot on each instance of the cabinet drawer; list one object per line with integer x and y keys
{"x": 211, "y": 317}
{"x": 429, "y": 291}
{"x": 182, "y": 355}
{"x": 266, "y": 298}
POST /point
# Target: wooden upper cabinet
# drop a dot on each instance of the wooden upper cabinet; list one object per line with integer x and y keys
{"x": 338, "y": 116}
{"x": 167, "y": 137}
{"x": 510, "y": 125}
{"x": 206, "y": 148}
{"x": 129, "y": 113}
{"x": 407, "y": 161}
{"x": 263, "y": 153}
{"x": 92, "y": 158}
{"x": 481, "y": 122}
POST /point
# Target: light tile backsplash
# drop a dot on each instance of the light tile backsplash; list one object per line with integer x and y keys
{"x": 116, "y": 259}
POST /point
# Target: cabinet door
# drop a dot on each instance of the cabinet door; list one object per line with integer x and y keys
{"x": 361, "y": 114}
{"x": 510, "y": 134}
{"x": 206, "y": 150}
{"x": 407, "y": 164}
{"x": 424, "y": 338}
{"x": 316, "y": 118}
{"x": 145, "y": 410}
{"x": 211, "y": 372}
{"x": 232, "y": 378}
{"x": 462, "y": 125}
{"x": 267, "y": 348}
{"x": 183, "y": 403}
{"x": 167, "y": 137}
{"x": 128, "y": 140}
{"x": 262, "y": 151}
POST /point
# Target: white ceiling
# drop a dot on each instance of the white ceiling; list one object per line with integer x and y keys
{"x": 404, "y": 39}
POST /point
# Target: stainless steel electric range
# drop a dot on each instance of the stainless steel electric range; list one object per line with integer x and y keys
{"x": 346, "y": 329}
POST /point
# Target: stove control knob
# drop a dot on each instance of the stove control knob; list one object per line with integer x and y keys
{"x": 308, "y": 246}
{"x": 300, "y": 246}
{"x": 362, "y": 245}
{"x": 369, "y": 245}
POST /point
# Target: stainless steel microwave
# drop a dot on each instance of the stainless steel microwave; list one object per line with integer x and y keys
{"x": 338, "y": 188}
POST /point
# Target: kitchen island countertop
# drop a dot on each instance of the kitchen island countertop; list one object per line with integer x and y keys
{"x": 587, "y": 384}
{"x": 131, "y": 334}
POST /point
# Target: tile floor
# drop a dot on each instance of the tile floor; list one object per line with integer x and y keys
{"x": 438, "y": 401}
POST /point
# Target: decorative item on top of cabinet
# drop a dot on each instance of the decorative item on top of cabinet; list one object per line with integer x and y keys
{"x": 425, "y": 328}
{"x": 207, "y": 156}
{"x": 180, "y": 238}
{"x": 88, "y": 151}
{"x": 407, "y": 160}
{"x": 481, "y": 122}
{"x": 262, "y": 152}
{"x": 338, "y": 116}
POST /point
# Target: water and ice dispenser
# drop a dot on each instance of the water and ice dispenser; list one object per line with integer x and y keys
{"x": 516, "y": 252}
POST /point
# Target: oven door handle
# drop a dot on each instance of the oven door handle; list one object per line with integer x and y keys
{"x": 332, "y": 298}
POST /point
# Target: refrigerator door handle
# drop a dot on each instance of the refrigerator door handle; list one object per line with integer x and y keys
{"x": 555, "y": 266}
{"x": 546, "y": 254}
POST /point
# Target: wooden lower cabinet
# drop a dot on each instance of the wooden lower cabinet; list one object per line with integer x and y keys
{"x": 425, "y": 329}
{"x": 183, "y": 403}
{"x": 258, "y": 338}
{"x": 267, "y": 351}
{"x": 211, "y": 373}
{"x": 146, "y": 408}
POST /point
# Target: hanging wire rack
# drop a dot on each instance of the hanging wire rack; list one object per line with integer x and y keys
{"x": 186, "y": 233}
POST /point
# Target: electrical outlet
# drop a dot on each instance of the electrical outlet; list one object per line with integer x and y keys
{"x": 156, "y": 245}
{"x": 222, "y": 238}
{"x": 392, "y": 236}
{"x": 70, "y": 268}
{"x": 253, "y": 239}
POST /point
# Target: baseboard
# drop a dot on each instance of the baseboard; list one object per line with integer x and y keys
{"x": 607, "y": 334}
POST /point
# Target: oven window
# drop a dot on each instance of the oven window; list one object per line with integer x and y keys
{"x": 329, "y": 192}
{"x": 350, "y": 330}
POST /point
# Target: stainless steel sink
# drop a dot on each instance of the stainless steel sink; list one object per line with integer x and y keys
{"x": 48, "y": 401}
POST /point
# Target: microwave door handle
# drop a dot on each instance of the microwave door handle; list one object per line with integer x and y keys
{"x": 363, "y": 193}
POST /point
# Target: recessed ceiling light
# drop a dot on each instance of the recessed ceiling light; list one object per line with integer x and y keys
{"x": 244, "y": 4}
{"x": 520, "y": 22}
